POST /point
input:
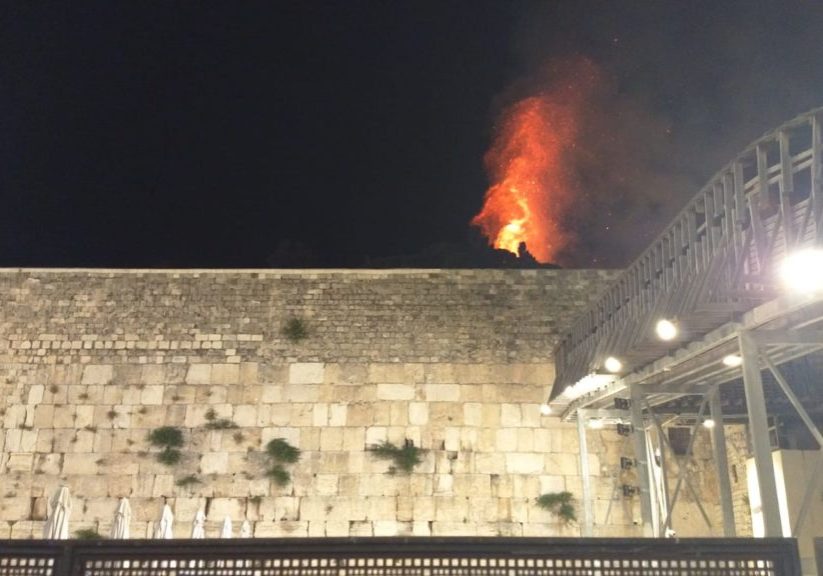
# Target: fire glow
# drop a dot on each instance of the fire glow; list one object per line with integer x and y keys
{"x": 531, "y": 166}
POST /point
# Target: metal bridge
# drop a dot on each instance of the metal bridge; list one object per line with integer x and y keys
{"x": 713, "y": 273}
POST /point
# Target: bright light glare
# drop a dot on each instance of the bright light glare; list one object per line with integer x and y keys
{"x": 666, "y": 329}
{"x": 802, "y": 271}
{"x": 732, "y": 360}
{"x": 708, "y": 423}
{"x": 596, "y": 424}
{"x": 613, "y": 365}
{"x": 545, "y": 409}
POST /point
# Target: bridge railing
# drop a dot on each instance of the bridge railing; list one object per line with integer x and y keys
{"x": 715, "y": 259}
{"x": 403, "y": 556}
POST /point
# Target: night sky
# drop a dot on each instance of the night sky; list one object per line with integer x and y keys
{"x": 352, "y": 133}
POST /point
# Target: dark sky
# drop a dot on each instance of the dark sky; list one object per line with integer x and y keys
{"x": 224, "y": 134}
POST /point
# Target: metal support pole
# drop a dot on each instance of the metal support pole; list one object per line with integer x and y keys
{"x": 720, "y": 457}
{"x": 759, "y": 428}
{"x": 640, "y": 455}
{"x": 664, "y": 473}
{"x": 587, "y": 528}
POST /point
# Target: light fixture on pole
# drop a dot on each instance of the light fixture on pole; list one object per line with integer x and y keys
{"x": 732, "y": 360}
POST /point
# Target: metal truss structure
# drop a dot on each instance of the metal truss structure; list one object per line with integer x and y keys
{"x": 713, "y": 272}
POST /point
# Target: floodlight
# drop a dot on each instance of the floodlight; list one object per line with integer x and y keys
{"x": 545, "y": 409}
{"x": 666, "y": 329}
{"x": 596, "y": 424}
{"x": 613, "y": 365}
{"x": 802, "y": 271}
{"x": 709, "y": 423}
{"x": 732, "y": 360}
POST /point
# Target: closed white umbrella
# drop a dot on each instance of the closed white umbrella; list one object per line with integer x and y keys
{"x": 164, "y": 530}
{"x": 122, "y": 518}
{"x": 226, "y": 531}
{"x": 245, "y": 529}
{"x": 57, "y": 521}
{"x": 198, "y": 529}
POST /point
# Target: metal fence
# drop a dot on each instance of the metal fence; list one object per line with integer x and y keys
{"x": 403, "y": 557}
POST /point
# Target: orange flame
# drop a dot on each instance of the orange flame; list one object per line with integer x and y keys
{"x": 534, "y": 188}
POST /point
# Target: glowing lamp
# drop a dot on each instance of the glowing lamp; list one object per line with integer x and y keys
{"x": 708, "y": 423}
{"x": 613, "y": 365}
{"x": 596, "y": 424}
{"x": 802, "y": 271}
{"x": 666, "y": 329}
{"x": 545, "y": 409}
{"x": 732, "y": 360}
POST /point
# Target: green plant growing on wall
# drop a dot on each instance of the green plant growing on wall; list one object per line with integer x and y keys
{"x": 280, "y": 453}
{"x": 215, "y": 423}
{"x": 88, "y": 534}
{"x": 404, "y": 458}
{"x": 189, "y": 480}
{"x": 561, "y": 504}
{"x": 169, "y": 439}
{"x": 295, "y": 329}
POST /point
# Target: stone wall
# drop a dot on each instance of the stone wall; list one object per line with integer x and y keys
{"x": 458, "y": 361}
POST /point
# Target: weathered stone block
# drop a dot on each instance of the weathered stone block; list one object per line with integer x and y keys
{"x": 306, "y": 373}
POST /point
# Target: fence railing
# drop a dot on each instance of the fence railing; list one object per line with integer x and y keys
{"x": 715, "y": 259}
{"x": 403, "y": 556}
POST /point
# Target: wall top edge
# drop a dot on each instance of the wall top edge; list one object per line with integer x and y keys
{"x": 295, "y": 271}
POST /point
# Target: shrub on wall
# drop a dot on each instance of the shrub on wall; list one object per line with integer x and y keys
{"x": 405, "y": 458}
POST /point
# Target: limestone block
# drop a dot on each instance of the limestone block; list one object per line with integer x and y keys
{"x": 421, "y": 528}
{"x": 80, "y": 463}
{"x": 15, "y": 506}
{"x": 552, "y": 483}
{"x": 506, "y": 440}
{"x": 487, "y": 440}
{"x": 163, "y": 486}
{"x": 245, "y": 415}
{"x": 308, "y": 393}
{"x": 250, "y": 394}
{"x": 300, "y": 414}
{"x": 316, "y": 508}
{"x": 249, "y": 373}
{"x": 120, "y": 485}
{"x": 272, "y": 373}
{"x": 153, "y": 374}
{"x": 152, "y": 395}
{"x": 530, "y": 415}
{"x": 451, "y": 440}
{"x": 346, "y": 374}
{"x": 337, "y": 528}
{"x": 326, "y": 484}
{"x": 471, "y": 393}
{"x": 442, "y": 392}
{"x": 375, "y": 435}
{"x": 320, "y": 415}
{"x": 483, "y": 509}
{"x": 306, "y": 373}
{"x": 35, "y": 395}
{"x": 150, "y": 417}
{"x": 398, "y": 414}
{"x": 84, "y": 485}
{"x": 395, "y": 392}
{"x": 386, "y": 528}
{"x": 388, "y": 373}
{"x": 360, "y": 414}
{"x": 49, "y": 463}
{"x": 445, "y": 414}
{"x": 83, "y": 416}
{"x": 359, "y": 529}
{"x": 331, "y": 439}
{"x": 338, "y": 414}
{"x": 219, "y": 508}
{"x": 278, "y": 415}
{"x": 469, "y": 439}
{"x": 317, "y": 529}
{"x": 63, "y": 417}
{"x": 449, "y": 528}
{"x": 199, "y": 374}
{"x": 272, "y": 393}
{"x": 443, "y": 484}
{"x": 520, "y": 508}
{"x": 451, "y": 508}
{"x": 26, "y": 530}
{"x": 522, "y": 463}
{"x": 214, "y": 463}
{"x": 564, "y": 464}
{"x": 513, "y": 529}
{"x": 281, "y": 529}
{"x": 525, "y": 440}
{"x": 225, "y": 374}
{"x": 20, "y": 462}
{"x": 510, "y": 415}
{"x": 473, "y": 414}
{"x": 472, "y": 485}
{"x": 97, "y": 374}
{"x": 380, "y": 508}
